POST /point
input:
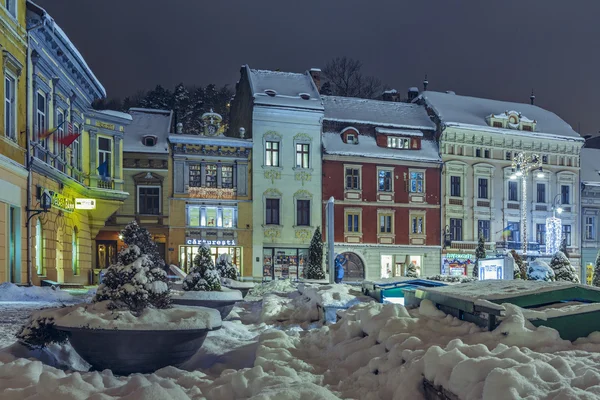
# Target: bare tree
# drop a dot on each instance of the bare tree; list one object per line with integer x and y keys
{"x": 346, "y": 79}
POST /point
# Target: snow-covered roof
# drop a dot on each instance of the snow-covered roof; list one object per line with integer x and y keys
{"x": 147, "y": 122}
{"x": 376, "y": 112}
{"x": 367, "y": 147}
{"x": 458, "y": 110}
{"x": 114, "y": 113}
{"x": 285, "y": 88}
{"x": 401, "y": 132}
{"x": 48, "y": 20}
{"x": 590, "y": 166}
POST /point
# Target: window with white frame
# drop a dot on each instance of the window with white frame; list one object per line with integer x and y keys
{"x": 227, "y": 176}
{"x": 272, "y": 211}
{"x": 272, "y": 153}
{"x": 386, "y": 223}
{"x": 590, "y": 228}
{"x": 513, "y": 191}
{"x": 482, "y": 188}
{"x": 104, "y": 153}
{"x": 417, "y": 224}
{"x": 302, "y": 155}
{"x": 149, "y": 200}
{"x": 353, "y": 221}
{"x": 417, "y": 181}
{"x": 302, "y": 212}
{"x": 353, "y": 178}
{"x": 398, "y": 142}
{"x": 455, "y": 186}
{"x": 384, "y": 180}
{"x": 210, "y": 175}
{"x": 212, "y": 216}
{"x": 483, "y": 227}
{"x": 541, "y": 192}
{"x": 10, "y": 106}
{"x": 456, "y": 229}
{"x": 40, "y": 114}
{"x": 11, "y": 7}
{"x": 76, "y": 152}
{"x": 60, "y": 131}
{"x": 540, "y": 233}
{"x": 566, "y": 232}
{"x": 565, "y": 194}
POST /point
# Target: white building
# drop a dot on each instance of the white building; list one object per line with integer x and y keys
{"x": 479, "y": 139}
{"x": 590, "y": 206}
{"x": 282, "y": 113}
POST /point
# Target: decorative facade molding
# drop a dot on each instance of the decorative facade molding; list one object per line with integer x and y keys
{"x": 303, "y": 234}
{"x": 272, "y": 135}
{"x": 302, "y": 137}
{"x": 11, "y": 63}
{"x": 272, "y": 193}
{"x": 303, "y": 194}
{"x": 272, "y": 175}
{"x": 272, "y": 232}
{"x": 303, "y": 176}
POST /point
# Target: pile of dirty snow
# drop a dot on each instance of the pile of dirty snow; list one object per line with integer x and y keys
{"x": 11, "y": 292}
{"x": 276, "y": 286}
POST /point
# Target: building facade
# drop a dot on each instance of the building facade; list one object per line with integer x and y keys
{"x": 13, "y": 141}
{"x": 76, "y": 156}
{"x": 381, "y": 165}
{"x": 211, "y": 201}
{"x": 147, "y": 179}
{"x": 282, "y": 114}
{"x": 479, "y": 140}
{"x": 590, "y": 209}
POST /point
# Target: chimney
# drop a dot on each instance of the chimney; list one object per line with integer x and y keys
{"x": 390, "y": 95}
{"x": 532, "y": 97}
{"x": 179, "y": 128}
{"x": 425, "y": 83}
{"x": 242, "y": 133}
{"x": 413, "y": 93}
{"x": 315, "y": 74}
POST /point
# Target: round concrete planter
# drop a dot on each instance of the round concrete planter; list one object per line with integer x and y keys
{"x": 210, "y": 300}
{"x": 129, "y": 351}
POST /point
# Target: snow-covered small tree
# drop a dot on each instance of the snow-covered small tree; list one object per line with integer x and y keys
{"x": 563, "y": 247}
{"x": 479, "y": 254}
{"x": 539, "y": 271}
{"x": 133, "y": 234}
{"x": 563, "y": 270}
{"x": 411, "y": 271}
{"x": 225, "y": 267}
{"x": 314, "y": 269}
{"x": 203, "y": 274}
{"x": 519, "y": 265}
{"x": 596, "y": 279}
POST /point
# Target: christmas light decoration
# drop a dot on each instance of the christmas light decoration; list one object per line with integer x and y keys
{"x": 521, "y": 166}
{"x": 553, "y": 234}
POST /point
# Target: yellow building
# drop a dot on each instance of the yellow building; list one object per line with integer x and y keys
{"x": 212, "y": 196}
{"x": 76, "y": 156}
{"x": 13, "y": 175}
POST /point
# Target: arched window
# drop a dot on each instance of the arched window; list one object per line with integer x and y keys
{"x": 39, "y": 250}
{"x": 75, "y": 251}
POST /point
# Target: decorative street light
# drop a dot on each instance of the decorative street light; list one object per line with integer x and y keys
{"x": 521, "y": 166}
{"x": 554, "y": 228}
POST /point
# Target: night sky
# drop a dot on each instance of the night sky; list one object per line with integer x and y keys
{"x": 499, "y": 49}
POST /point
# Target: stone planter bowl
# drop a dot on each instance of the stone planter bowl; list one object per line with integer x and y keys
{"x": 243, "y": 290}
{"x": 129, "y": 351}
{"x": 223, "y": 306}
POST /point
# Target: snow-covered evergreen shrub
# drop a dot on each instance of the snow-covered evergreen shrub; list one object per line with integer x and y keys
{"x": 519, "y": 264}
{"x": 134, "y": 283}
{"x": 139, "y": 236}
{"x": 452, "y": 278}
{"x": 314, "y": 269}
{"x": 203, "y": 274}
{"x": 225, "y": 267}
{"x": 563, "y": 270}
{"x": 39, "y": 332}
{"x": 411, "y": 271}
{"x": 539, "y": 270}
{"x": 596, "y": 278}
{"x": 479, "y": 254}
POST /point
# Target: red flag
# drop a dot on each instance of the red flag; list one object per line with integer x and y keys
{"x": 68, "y": 139}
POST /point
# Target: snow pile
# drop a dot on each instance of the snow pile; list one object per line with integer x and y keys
{"x": 223, "y": 294}
{"x": 275, "y": 286}
{"x": 12, "y": 292}
{"x": 539, "y": 270}
{"x": 293, "y": 308}
{"x": 233, "y": 284}
{"x": 333, "y": 295}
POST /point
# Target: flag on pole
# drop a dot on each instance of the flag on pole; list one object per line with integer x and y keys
{"x": 507, "y": 231}
{"x": 49, "y": 132}
{"x": 103, "y": 170}
{"x": 69, "y": 139}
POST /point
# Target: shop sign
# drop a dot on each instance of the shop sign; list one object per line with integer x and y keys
{"x": 62, "y": 202}
{"x": 85, "y": 204}
{"x": 491, "y": 268}
{"x": 457, "y": 256}
{"x": 192, "y": 241}
{"x": 104, "y": 125}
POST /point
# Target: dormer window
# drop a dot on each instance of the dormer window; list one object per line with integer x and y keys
{"x": 398, "y": 142}
{"x": 149, "y": 141}
{"x": 527, "y": 128}
{"x": 350, "y": 138}
{"x": 350, "y": 135}
{"x": 511, "y": 120}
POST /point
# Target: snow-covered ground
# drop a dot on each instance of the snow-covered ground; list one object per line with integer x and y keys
{"x": 266, "y": 350}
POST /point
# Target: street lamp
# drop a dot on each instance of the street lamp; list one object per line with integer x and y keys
{"x": 554, "y": 228}
{"x": 521, "y": 166}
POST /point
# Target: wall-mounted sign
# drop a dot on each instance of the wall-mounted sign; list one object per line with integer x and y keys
{"x": 105, "y": 125}
{"x": 85, "y": 204}
{"x": 62, "y": 202}
{"x": 192, "y": 241}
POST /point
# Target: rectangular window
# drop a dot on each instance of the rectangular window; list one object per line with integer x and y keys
{"x": 590, "y": 228}
{"x": 455, "y": 229}
{"x": 417, "y": 225}
{"x": 497, "y": 124}
{"x": 508, "y": 156}
{"x": 11, "y": 7}
{"x": 60, "y": 132}
{"x": 455, "y": 186}
{"x": 398, "y": 142}
{"x": 227, "y": 176}
{"x": 416, "y": 182}
{"x": 513, "y": 191}
{"x": 76, "y": 153}
{"x": 353, "y": 222}
{"x": 303, "y": 212}
{"x": 10, "y": 107}
{"x": 385, "y": 181}
{"x": 149, "y": 200}
{"x": 566, "y": 231}
{"x": 477, "y": 152}
{"x": 486, "y": 153}
{"x": 272, "y": 154}
{"x": 41, "y": 114}
{"x": 104, "y": 152}
{"x": 540, "y": 233}
{"x": 353, "y": 178}
{"x": 228, "y": 217}
{"x": 483, "y": 226}
{"x": 272, "y": 212}
{"x": 302, "y": 155}
{"x": 195, "y": 175}
{"x": 515, "y": 231}
{"x": 565, "y": 194}
{"x": 544, "y": 159}
{"x": 210, "y": 175}
{"x": 527, "y": 128}
{"x": 541, "y": 192}
{"x": 385, "y": 223}
{"x": 221, "y": 217}
{"x": 482, "y": 192}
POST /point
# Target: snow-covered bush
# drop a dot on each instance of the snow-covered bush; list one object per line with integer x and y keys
{"x": 479, "y": 254}
{"x": 596, "y": 279}
{"x": 539, "y": 270}
{"x": 411, "y": 271}
{"x": 452, "y": 278}
{"x": 39, "y": 332}
{"x": 133, "y": 234}
{"x": 314, "y": 269}
{"x": 225, "y": 267}
{"x": 203, "y": 274}
{"x": 563, "y": 270}
{"x": 520, "y": 268}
